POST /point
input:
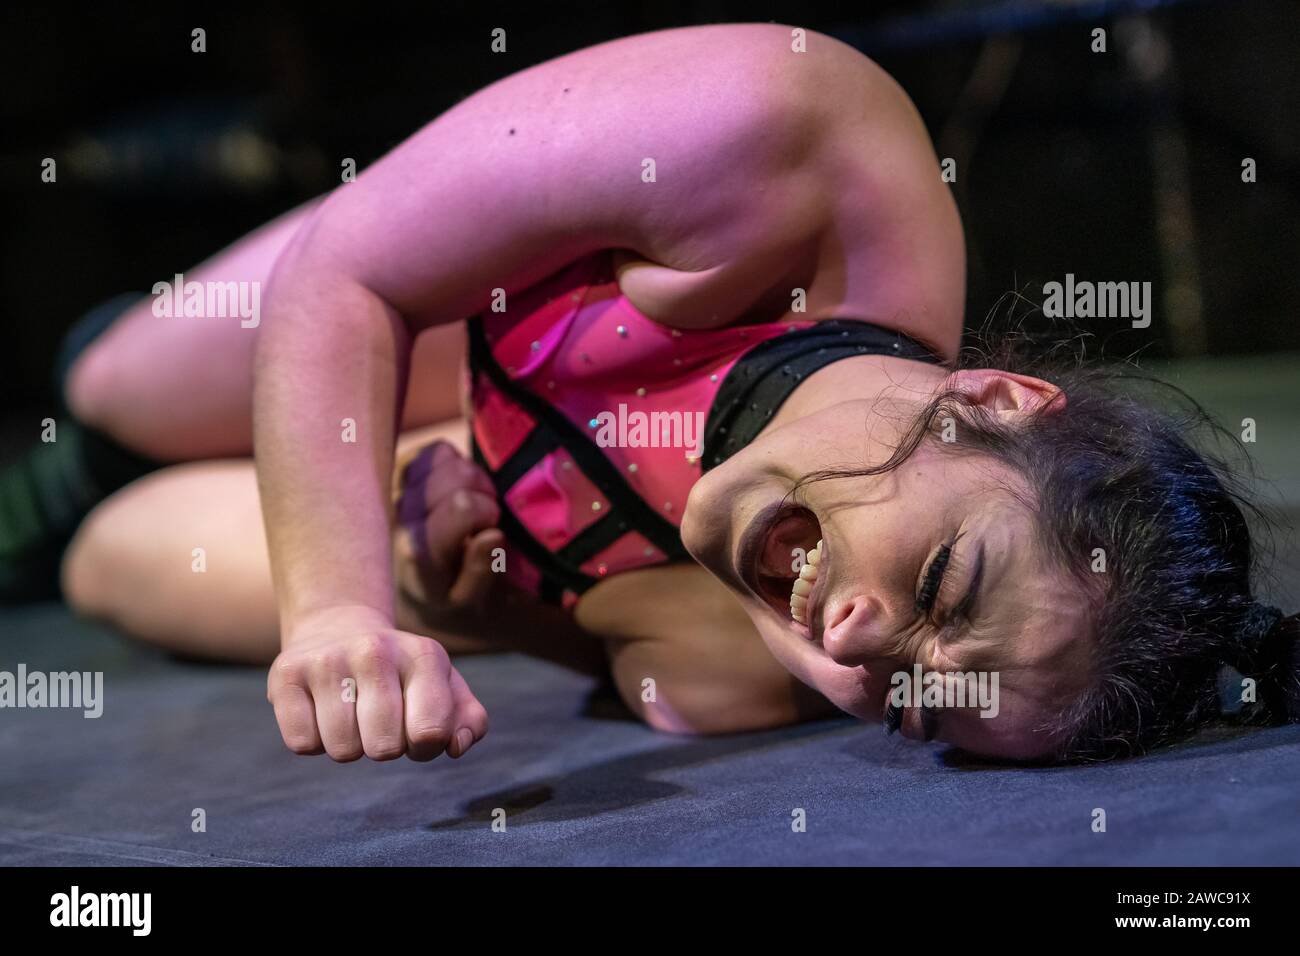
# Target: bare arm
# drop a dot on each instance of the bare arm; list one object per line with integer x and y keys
{"x": 507, "y": 187}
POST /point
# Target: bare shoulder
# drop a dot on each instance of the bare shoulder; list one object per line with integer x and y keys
{"x": 687, "y": 659}
{"x": 813, "y": 170}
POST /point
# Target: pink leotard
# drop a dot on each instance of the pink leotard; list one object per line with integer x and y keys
{"x": 560, "y": 381}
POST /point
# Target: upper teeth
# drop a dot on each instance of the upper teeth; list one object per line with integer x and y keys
{"x": 803, "y": 585}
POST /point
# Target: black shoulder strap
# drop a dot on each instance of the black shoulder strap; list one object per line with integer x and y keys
{"x": 760, "y": 382}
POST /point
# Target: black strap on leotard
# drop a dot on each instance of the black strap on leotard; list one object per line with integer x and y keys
{"x": 627, "y": 511}
{"x": 757, "y": 385}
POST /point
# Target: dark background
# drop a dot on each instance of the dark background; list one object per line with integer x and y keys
{"x": 1117, "y": 166}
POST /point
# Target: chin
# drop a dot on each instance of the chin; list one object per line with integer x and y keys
{"x": 705, "y": 521}
{"x": 694, "y": 536}
{"x": 851, "y": 689}
{"x": 847, "y": 691}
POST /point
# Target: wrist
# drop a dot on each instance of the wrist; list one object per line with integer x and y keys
{"x": 353, "y": 617}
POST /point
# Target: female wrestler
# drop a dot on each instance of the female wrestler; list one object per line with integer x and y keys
{"x": 701, "y": 221}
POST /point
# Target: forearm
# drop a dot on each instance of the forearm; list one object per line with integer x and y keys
{"x": 329, "y": 376}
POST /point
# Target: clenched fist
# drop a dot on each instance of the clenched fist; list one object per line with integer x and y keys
{"x": 347, "y": 683}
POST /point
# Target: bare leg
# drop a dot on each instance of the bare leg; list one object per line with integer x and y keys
{"x": 180, "y": 389}
{"x": 133, "y": 561}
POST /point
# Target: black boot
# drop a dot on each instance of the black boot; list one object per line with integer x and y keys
{"x": 47, "y": 492}
{"x": 44, "y": 496}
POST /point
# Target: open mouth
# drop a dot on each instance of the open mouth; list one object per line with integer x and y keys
{"x": 782, "y": 560}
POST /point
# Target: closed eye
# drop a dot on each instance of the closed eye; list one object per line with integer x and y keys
{"x": 925, "y": 598}
{"x": 933, "y": 580}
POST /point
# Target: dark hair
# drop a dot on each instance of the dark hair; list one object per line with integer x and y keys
{"x": 1117, "y": 469}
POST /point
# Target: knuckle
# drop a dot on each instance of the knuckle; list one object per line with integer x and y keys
{"x": 300, "y": 744}
{"x": 345, "y": 753}
{"x": 325, "y": 663}
{"x": 385, "y": 748}
{"x": 427, "y": 652}
{"x": 429, "y": 734}
{"x": 486, "y": 507}
{"x": 286, "y": 669}
{"x": 442, "y": 453}
{"x": 372, "y": 652}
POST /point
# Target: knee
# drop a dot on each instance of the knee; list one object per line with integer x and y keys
{"x": 86, "y": 575}
{"x": 89, "y": 390}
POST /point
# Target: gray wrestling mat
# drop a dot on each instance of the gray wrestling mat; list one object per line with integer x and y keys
{"x": 581, "y": 784}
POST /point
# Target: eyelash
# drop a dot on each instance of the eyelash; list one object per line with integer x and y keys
{"x": 929, "y": 592}
{"x": 934, "y": 576}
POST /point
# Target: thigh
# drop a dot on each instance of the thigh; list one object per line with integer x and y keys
{"x": 180, "y": 388}
{"x": 179, "y": 558}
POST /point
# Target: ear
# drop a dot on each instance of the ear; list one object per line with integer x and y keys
{"x": 1006, "y": 393}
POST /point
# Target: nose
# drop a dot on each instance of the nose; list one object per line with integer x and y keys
{"x": 855, "y": 633}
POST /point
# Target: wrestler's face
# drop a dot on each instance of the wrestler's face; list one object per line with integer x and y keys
{"x": 882, "y": 599}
